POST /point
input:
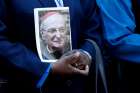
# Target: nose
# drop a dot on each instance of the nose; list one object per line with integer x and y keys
{"x": 58, "y": 34}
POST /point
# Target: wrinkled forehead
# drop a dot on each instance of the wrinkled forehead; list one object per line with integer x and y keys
{"x": 54, "y": 21}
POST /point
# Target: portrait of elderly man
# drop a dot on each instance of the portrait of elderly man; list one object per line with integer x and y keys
{"x": 54, "y": 35}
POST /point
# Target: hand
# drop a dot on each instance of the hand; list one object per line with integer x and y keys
{"x": 83, "y": 62}
{"x": 64, "y": 65}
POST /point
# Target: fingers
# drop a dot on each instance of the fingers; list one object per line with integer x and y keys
{"x": 79, "y": 71}
{"x": 70, "y": 59}
{"x": 84, "y": 71}
{"x": 84, "y": 58}
{"x": 73, "y": 63}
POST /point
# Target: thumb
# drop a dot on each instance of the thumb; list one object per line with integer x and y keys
{"x": 78, "y": 71}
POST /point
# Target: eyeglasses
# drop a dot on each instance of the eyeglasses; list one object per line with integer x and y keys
{"x": 53, "y": 30}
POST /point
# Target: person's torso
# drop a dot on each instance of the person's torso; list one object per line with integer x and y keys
{"x": 21, "y": 16}
{"x": 20, "y": 24}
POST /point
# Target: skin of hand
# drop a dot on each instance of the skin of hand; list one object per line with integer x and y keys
{"x": 83, "y": 59}
{"x": 64, "y": 65}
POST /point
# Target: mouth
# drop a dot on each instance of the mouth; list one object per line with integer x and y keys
{"x": 56, "y": 41}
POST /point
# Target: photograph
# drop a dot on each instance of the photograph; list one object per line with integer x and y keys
{"x": 52, "y": 32}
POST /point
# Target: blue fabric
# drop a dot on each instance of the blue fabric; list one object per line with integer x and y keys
{"x": 119, "y": 27}
{"x": 17, "y": 36}
{"x": 43, "y": 78}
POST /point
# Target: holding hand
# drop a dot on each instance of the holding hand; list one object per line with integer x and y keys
{"x": 66, "y": 64}
{"x": 83, "y": 61}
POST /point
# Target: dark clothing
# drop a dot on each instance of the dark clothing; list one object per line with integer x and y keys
{"x": 130, "y": 71}
{"x": 18, "y": 55}
{"x": 136, "y": 11}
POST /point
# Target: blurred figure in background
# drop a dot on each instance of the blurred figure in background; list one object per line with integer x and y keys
{"x": 121, "y": 22}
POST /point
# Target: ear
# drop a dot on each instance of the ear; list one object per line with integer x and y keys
{"x": 42, "y": 35}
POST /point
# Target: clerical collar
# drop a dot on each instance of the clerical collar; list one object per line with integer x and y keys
{"x": 50, "y": 51}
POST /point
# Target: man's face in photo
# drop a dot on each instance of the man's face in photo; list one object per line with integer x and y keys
{"x": 54, "y": 32}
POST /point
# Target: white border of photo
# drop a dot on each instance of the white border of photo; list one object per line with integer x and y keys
{"x": 37, "y": 35}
